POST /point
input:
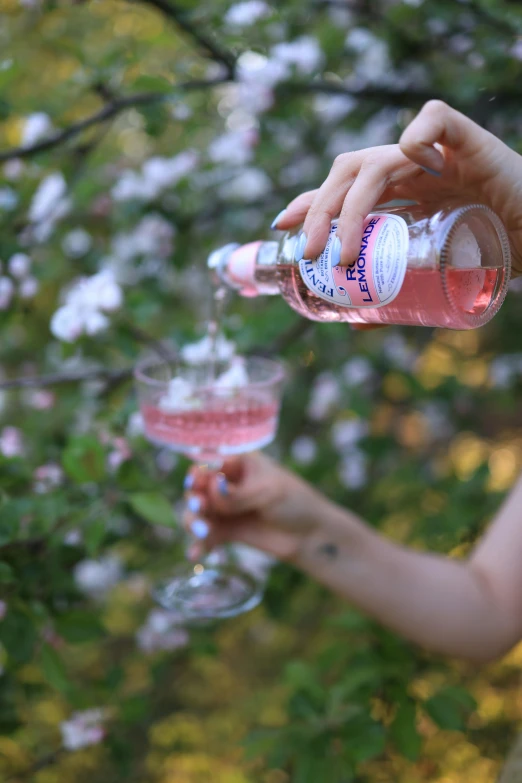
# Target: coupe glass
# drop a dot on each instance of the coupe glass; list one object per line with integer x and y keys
{"x": 207, "y": 423}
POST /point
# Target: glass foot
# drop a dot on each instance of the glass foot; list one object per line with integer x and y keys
{"x": 208, "y": 592}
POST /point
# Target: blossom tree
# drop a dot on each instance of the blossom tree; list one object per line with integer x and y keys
{"x": 136, "y": 136}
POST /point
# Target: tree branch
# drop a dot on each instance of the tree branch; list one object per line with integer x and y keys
{"x": 206, "y": 42}
{"x": 106, "y": 113}
{"x": 61, "y": 378}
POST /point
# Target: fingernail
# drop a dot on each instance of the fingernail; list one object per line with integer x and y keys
{"x": 300, "y": 247}
{"x": 200, "y": 528}
{"x": 222, "y": 484}
{"x": 194, "y": 504}
{"x": 274, "y": 223}
{"x": 335, "y": 251}
{"x": 188, "y": 483}
{"x": 432, "y": 171}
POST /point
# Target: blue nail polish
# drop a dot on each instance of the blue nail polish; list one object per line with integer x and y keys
{"x": 274, "y": 223}
{"x": 335, "y": 251}
{"x": 222, "y": 485}
{"x": 199, "y": 528}
{"x": 188, "y": 483}
{"x": 300, "y": 247}
{"x": 194, "y": 504}
{"x": 432, "y": 171}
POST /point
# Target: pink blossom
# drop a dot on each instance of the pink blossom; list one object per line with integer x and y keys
{"x": 47, "y": 477}
{"x": 120, "y": 453}
{"x": 83, "y": 729}
{"x": 161, "y": 632}
{"x": 40, "y": 399}
{"x": 11, "y": 442}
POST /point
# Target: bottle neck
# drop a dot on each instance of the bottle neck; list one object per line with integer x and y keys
{"x": 250, "y": 269}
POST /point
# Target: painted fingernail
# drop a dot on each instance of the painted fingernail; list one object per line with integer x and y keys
{"x": 188, "y": 483}
{"x": 300, "y": 247}
{"x": 194, "y": 504}
{"x": 274, "y": 223}
{"x": 222, "y": 484}
{"x": 335, "y": 251}
{"x": 432, "y": 171}
{"x": 200, "y": 528}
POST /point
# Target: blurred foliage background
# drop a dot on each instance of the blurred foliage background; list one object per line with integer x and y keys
{"x": 135, "y": 137}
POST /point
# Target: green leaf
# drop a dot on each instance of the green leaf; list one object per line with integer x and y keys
{"x": 53, "y": 669}
{"x": 450, "y": 708}
{"x": 18, "y": 635}
{"x": 94, "y": 533}
{"x": 6, "y": 573}
{"x": 403, "y": 731}
{"x": 153, "y": 507}
{"x": 158, "y": 84}
{"x": 84, "y": 460}
{"x": 78, "y": 626}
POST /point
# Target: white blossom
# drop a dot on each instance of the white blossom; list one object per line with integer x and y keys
{"x": 353, "y": 471}
{"x": 332, "y": 108}
{"x": 162, "y": 632}
{"x": 6, "y": 292}
{"x": 28, "y": 288}
{"x": 152, "y": 237}
{"x": 47, "y": 477}
{"x": 504, "y": 370}
{"x": 202, "y": 350}
{"x": 516, "y": 49}
{"x": 357, "y": 371}
{"x": 76, "y": 243}
{"x": 304, "y": 450}
{"x": 398, "y": 352}
{"x": 246, "y": 13}
{"x": 156, "y": 175}
{"x": 253, "y": 560}
{"x": 303, "y": 53}
{"x": 96, "y": 577}
{"x": 249, "y": 185}
{"x": 19, "y": 265}
{"x": 13, "y": 169}
{"x": 326, "y": 393}
{"x": 11, "y": 442}
{"x": 135, "y": 425}
{"x": 36, "y": 127}
{"x": 83, "y": 729}
{"x": 166, "y": 460}
{"x": 49, "y": 204}
{"x": 180, "y": 111}
{"x": 84, "y": 306}
{"x": 234, "y": 147}
{"x": 347, "y": 433}
{"x": 8, "y": 199}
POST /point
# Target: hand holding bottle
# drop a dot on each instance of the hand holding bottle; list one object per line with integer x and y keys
{"x": 441, "y": 155}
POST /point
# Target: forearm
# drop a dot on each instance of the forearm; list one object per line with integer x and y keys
{"x": 442, "y": 604}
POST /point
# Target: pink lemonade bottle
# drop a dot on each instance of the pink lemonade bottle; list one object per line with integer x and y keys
{"x": 447, "y": 267}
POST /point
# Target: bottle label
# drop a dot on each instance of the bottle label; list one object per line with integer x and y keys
{"x": 375, "y": 277}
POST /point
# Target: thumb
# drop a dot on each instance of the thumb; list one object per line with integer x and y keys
{"x": 436, "y": 125}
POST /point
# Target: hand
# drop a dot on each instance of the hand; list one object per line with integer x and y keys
{"x": 442, "y": 154}
{"x": 255, "y": 501}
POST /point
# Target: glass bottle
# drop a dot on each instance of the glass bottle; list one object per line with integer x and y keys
{"x": 446, "y": 266}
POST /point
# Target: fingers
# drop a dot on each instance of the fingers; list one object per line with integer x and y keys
{"x": 381, "y": 169}
{"x": 439, "y": 124}
{"x": 295, "y": 212}
{"x": 327, "y": 204}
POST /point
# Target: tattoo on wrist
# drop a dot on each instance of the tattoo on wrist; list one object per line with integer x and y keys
{"x": 328, "y": 550}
